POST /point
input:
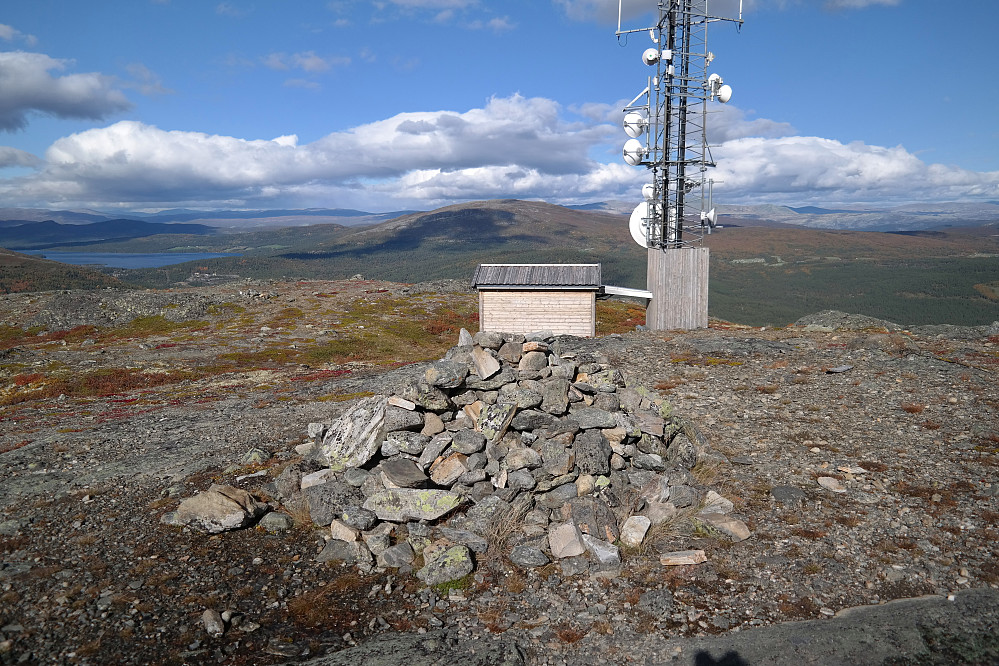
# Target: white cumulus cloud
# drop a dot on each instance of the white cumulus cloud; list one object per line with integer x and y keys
{"x": 28, "y": 86}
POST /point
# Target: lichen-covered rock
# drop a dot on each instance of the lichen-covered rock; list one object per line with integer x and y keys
{"x": 453, "y": 564}
{"x": 401, "y": 504}
{"x": 357, "y": 435}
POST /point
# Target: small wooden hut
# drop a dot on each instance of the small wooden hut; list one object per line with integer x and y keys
{"x": 523, "y": 298}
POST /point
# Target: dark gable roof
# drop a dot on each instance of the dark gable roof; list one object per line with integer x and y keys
{"x": 542, "y": 276}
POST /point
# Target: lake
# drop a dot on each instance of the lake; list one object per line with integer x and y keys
{"x": 127, "y": 259}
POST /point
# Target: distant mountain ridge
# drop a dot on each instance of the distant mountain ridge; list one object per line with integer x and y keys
{"x": 48, "y": 233}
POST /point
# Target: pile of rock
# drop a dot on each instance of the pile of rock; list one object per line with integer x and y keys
{"x": 513, "y": 445}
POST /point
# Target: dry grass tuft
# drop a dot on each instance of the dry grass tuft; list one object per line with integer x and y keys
{"x": 912, "y": 408}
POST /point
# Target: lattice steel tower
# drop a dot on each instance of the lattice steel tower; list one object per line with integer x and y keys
{"x": 667, "y": 126}
{"x": 671, "y": 116}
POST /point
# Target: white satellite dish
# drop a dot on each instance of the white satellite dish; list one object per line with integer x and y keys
{"x": 640, "y": 221}
{"x": 634, "y": 151}
{"x": 725, "y": 94}
{"x": 635, "y": 124}
{"x": 651, "y": 56}
{"x": 710, "y": 217}
{"x": 648, "y": 192}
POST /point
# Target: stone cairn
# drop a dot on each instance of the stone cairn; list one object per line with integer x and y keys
{"x": 513, "y": 445}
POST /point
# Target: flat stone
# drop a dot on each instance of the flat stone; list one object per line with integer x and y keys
{"x": 357, "y": 435}
{"x": 715, "y": 503}
{"x": 475, "y": 542}
{"x": 489, "y": 339}
{"x": 681, "y": 557}
{"x": 434, "y": 449}
{"x": 428, "y": 397}
{"x": 528, "y": 557}
{"x": 402, "y": 504}
{"x": 316, "y": 478}
{"x": 511, "y": 352}
{"x": 831, "y": 483}
{"x": 327, "y": 501}
{"x": 634, "y": 529}
{"x": 402, "y": 473}
{"x": 485, "y": 363}
{"x": 788, "y": 494}
{"x": 565, "y": 540}
{"x": 589, "y": 417}
{"x": 358, "y": 517}
{"x": 401, "y": 403}
{"x": 649, "y": 423}
{"x": 733, "y": 528}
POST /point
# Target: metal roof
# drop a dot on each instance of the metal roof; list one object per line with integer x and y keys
{"x": 537, "y": 276}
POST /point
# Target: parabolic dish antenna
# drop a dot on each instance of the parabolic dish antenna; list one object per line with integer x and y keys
{"x": 635, "y": 124}
{"x": 639, "y": 223}
{"x": 648, "y": 192}
{"x": 634, "y": 151}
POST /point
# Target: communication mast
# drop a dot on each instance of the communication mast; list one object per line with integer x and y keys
{"x": 667, "y": 128}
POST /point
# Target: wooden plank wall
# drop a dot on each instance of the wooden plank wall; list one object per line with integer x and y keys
{"x": 516, "y": 311}
{"x": 678, "y": 280}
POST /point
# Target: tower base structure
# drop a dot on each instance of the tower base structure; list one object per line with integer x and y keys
{"x": 678, "y": 280}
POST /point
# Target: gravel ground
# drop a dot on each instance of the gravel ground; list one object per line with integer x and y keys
{"x": 863, "y": 461}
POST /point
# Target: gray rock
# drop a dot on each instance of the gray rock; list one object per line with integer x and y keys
{"x": 400, "y": 555}
{"x": 681, "y": 452}
{"x": 465, "y": 338}
{"x": 593, "y": 452}
{"x": 683, "y": 496}
{"x": 607, "y": 554}
{"x": 649, "y": 461}
{"x": 555, "y": 395}
{"x": 528, "y": 557}
{"x": 592, "y": 516}
{"x": 485, "y": 364}
{"x": 357, "y": 435}
{"x": 522, "y": 457}
{"x": 468, "y": 442}
{"x": 358, "y": 517}
{"x": 511, "y": 352}
{"x": 488, "y": 339}
{"x": 434, "y": 448}
{"x": 412, "y": 443}
{"x": 558, "y": 496}
{"x": 533, "y": 361}
{"x": 505, "y": 375}
{"x": 399, "y": 419}
{"x": 289, "y": 482}
{"x": 565, "y": 540}
{"x": 574, "y": 566}
{"x": 428, "y": 397}
{"x": 327, "y": 501}
{"x": 522, "y": 397}
{"x": 276, "y": 522}
{"x": 212, "y": 621}
{"x": 453, "y": 564}
{"x": 520, "y": 479}
{"x": 347, "y": 552}
{"x": 481, "y": 516}
{"x": 255, "y": 456}
{"x": 530, "y": 419}
{"x": 607, "y": 402}
{"x": 788, "y": 494}
{"x": 446, "y": 374}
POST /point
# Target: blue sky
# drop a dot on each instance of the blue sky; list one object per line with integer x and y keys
{"x": 393, "y": 104}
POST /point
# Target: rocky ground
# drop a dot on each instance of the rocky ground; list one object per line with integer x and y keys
{"x": 861, "y": 457}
